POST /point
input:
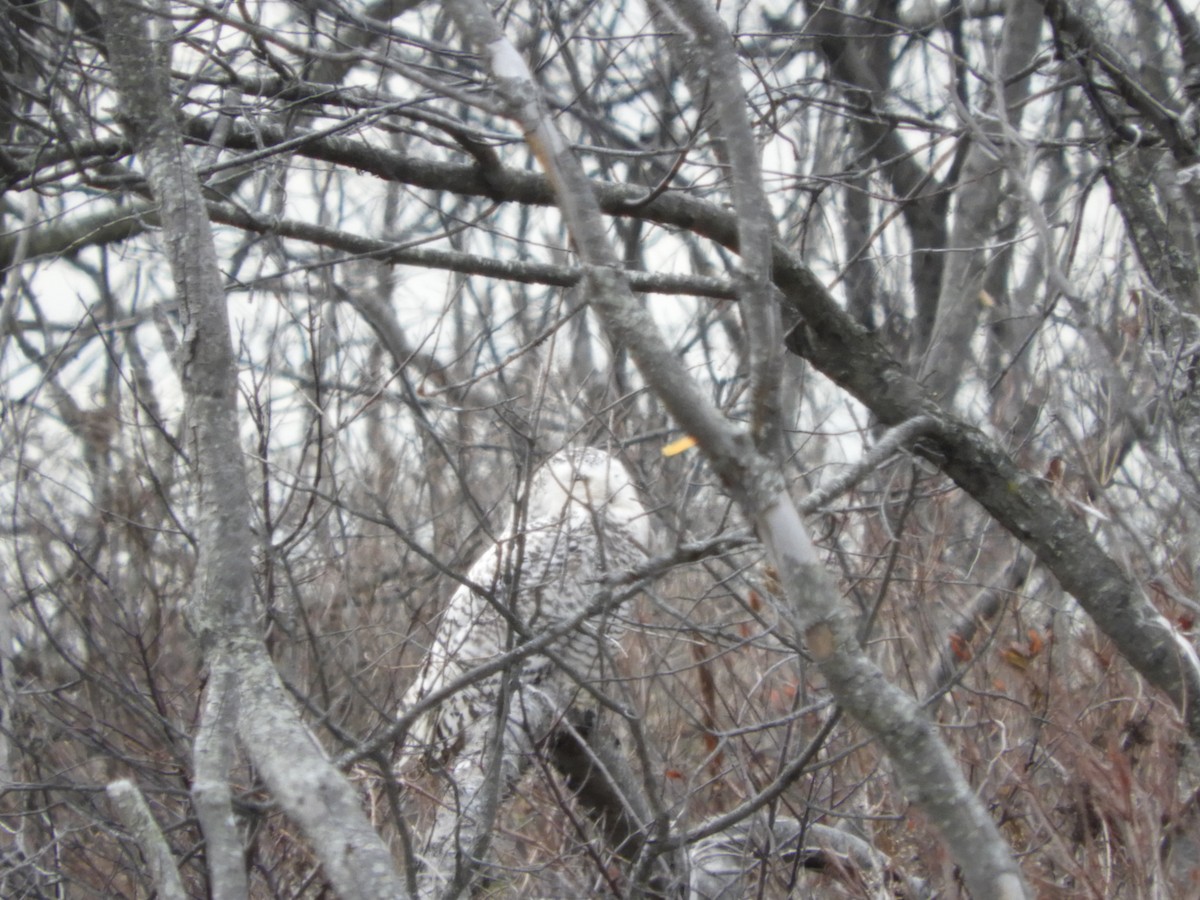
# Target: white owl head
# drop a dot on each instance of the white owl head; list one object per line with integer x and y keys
{"x": 593, "y": 480}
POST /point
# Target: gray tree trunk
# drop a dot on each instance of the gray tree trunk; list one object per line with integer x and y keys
{"x": 291, "y": 763}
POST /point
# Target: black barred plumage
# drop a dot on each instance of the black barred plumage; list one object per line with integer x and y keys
{"x": 584, "y": 519}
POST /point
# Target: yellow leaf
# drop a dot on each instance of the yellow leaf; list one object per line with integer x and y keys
{"x": 687, "y": 442}
{"x": 1015, "y": 657}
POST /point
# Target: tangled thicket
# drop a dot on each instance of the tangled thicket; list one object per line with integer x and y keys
{"x": 997, "y": 197}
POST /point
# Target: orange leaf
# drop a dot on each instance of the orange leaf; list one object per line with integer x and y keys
{"x": 960, "y": 648}
{"x": 1055, "y": 470}
{"x": 754, "y": 601}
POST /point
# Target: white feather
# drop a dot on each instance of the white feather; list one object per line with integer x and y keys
{"x": 584, "y": 520}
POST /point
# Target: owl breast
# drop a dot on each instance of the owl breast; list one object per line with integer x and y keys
{"x": 525, "y": 585}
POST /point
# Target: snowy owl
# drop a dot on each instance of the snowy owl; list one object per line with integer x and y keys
{"x": 584, "y": 519}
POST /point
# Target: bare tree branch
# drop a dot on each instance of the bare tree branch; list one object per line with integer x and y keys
{"x": 213, "y": 756}
{"x": 925, "y": 766}
{"x": 136, "y": 816}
